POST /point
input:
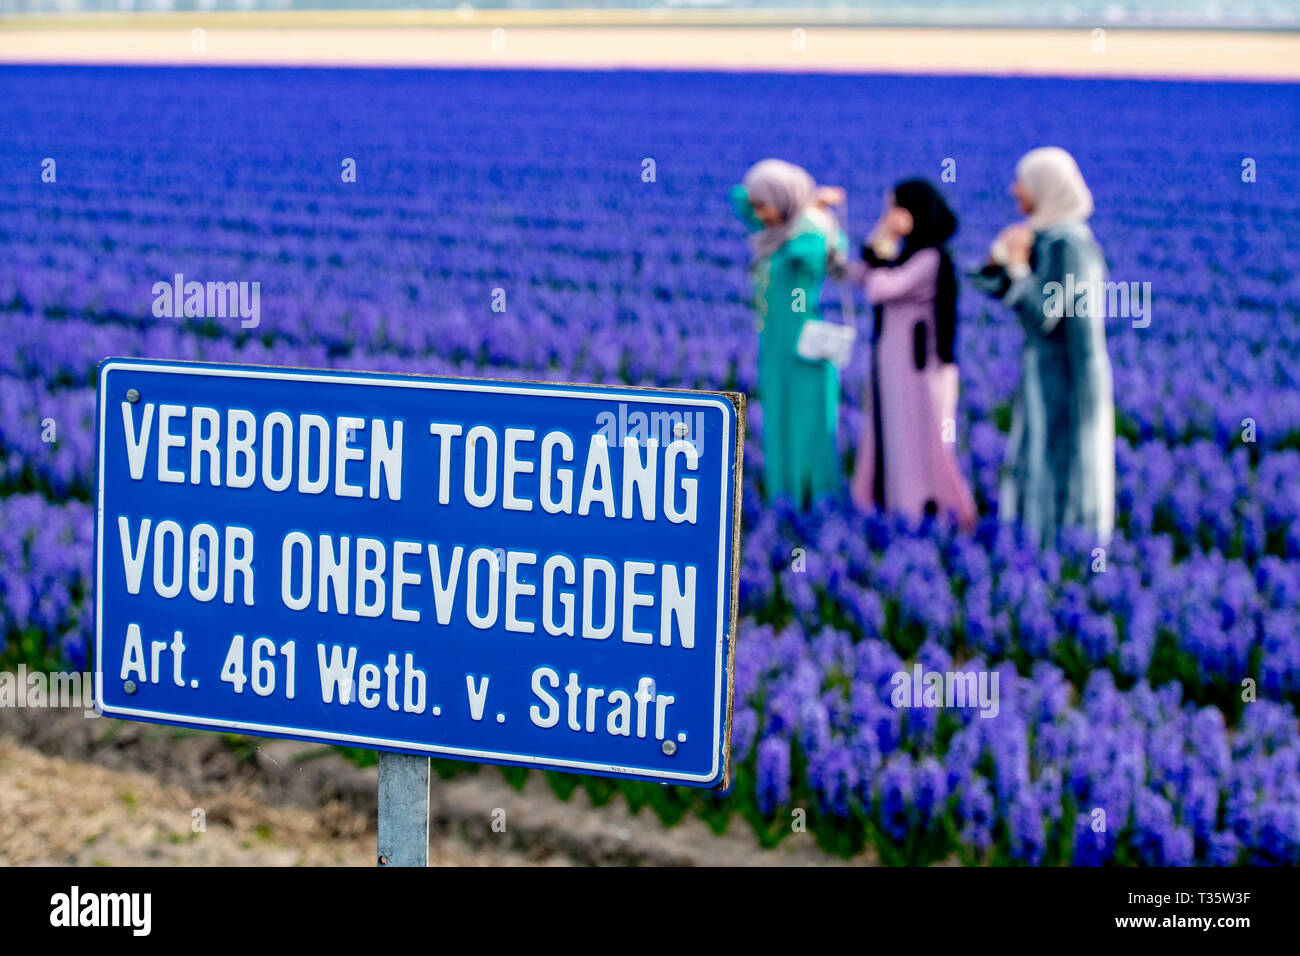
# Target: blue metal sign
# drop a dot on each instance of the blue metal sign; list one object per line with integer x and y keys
{"x": 506, "y": 572}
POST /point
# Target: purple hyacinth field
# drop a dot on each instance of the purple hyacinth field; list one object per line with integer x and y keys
{"x": 1152, "y": 685}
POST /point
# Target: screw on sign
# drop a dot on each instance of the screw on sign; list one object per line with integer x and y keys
{"x": 471, "y": 569}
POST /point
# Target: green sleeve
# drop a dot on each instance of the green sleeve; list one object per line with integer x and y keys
{"x": 808, "y": 249}
{"x": 745, "y": 212}
{"x": 842, "y": 245}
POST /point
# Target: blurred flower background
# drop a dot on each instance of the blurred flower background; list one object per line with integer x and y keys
{"x": 1147, "y": 699}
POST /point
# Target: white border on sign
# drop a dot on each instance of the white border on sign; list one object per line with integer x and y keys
{"x": 381, "y": 379}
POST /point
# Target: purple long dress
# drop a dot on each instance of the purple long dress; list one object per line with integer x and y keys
{"x": 913, "y": 393}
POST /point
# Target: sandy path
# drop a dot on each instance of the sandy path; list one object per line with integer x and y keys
{"x": 505, "y": 39}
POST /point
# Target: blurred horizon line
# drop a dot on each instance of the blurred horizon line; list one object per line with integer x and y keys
{"x": 1176, "y": 15}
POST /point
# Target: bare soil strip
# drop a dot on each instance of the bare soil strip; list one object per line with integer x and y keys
{"x": 96, "y": 791}
{"x": 587, "y": 39}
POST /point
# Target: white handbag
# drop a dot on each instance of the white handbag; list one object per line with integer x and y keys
{"x": 820, "y": 340}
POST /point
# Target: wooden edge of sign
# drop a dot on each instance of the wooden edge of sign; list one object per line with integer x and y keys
{"x": 737, "y": 400}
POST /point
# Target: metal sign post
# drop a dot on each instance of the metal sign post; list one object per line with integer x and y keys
{"x": 403, "y": 810}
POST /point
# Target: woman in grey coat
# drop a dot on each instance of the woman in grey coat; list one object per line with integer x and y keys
{"x": 1060, "y": 468}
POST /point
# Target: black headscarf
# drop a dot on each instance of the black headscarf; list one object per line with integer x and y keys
{"x": 933, "y": 224}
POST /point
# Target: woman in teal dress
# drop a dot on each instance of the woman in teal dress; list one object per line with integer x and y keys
{"x": 1060, "y": 468}
{"x": 795, "y": 242}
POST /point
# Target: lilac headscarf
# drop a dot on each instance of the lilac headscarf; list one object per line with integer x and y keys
{"x": 791, "y": 190}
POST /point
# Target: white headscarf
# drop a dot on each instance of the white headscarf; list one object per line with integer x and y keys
{"x": 1052, "y": 178}
{"x": 791, "y": 190}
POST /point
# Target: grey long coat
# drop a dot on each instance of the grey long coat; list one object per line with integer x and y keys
{"x": 1060, "y": 467}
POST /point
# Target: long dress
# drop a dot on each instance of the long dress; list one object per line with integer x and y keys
{"x": 1060, "y": 467}
{"x": 800, "y": 398}
{"x": 904, "y": 464}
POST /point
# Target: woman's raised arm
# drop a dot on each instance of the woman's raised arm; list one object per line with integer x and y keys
{"x": 891, "y": 283}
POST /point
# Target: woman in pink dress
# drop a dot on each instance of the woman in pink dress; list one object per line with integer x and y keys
{"x": 906, "y": 460}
